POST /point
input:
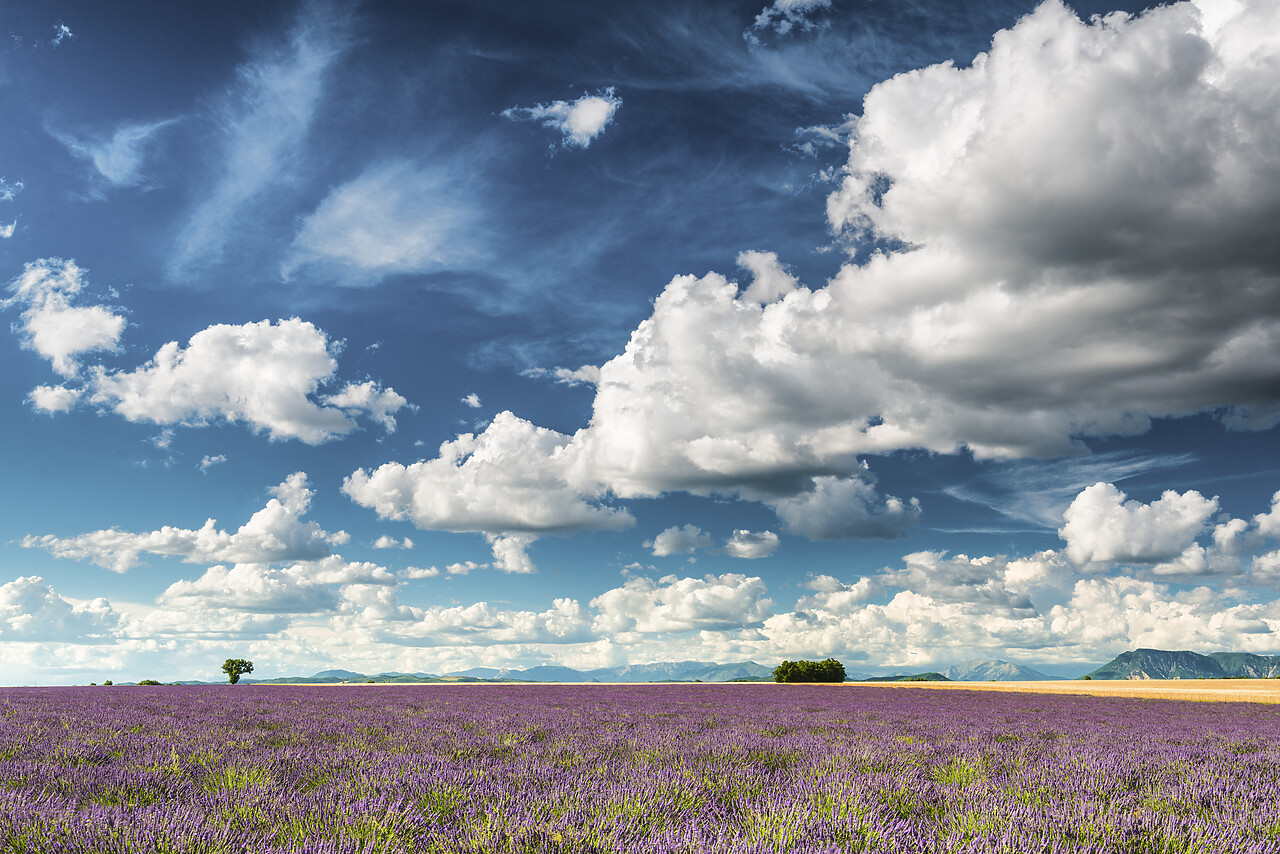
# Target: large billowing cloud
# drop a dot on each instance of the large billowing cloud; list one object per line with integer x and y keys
{"x": 275, "y": 533}
{"x": 263, "y": 374}
{"x": 377, "y": 612}
{"x": 30, "y": 610}
{"x": 514, "y": 476}
{"x": 914, "y": 615}
{"x": 52, "y": 325}
{"x": 1077, "y": 231}
{"x": 1094, "y": 620}
{"x": 254, "y": 587}
{"x": 1171, "y": 536}
{"x": 673, "y": 604}
{"x": 1085, "y": 208}
{"x": 1042, "y": 607}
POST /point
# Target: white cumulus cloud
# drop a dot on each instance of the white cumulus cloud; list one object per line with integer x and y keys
{"x": 1100, "y": 525}
{"x": 839, "y": 508}
{"x": 371, "y": 399}
{"x": 54, "y": 398}
{"x": 388, "y": 542}
{"x": 275, "y": 533}
{"x": 510, "y": 552}
{"x": 579, "y": 121}
{"x": 307, "y": 587}
{"x": 679, "y": 540}
{"x": 31, "y": 610}
{"x": 512, "y": 477}
{"x": 263, "y": 374}
{"x": 379, "y": 610}
{"x": 52, "y": 325}
{"x": 770, "y": 282}
{"x": 749, "y": 545}
{"x": 673, "y": 604}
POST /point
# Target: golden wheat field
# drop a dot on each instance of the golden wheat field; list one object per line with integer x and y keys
{"x": 1238, "y": 690}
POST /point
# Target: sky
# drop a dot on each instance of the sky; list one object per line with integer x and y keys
{"x": 419, "y": 337}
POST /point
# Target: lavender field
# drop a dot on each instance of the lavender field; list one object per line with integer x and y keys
{"x": 652, "y": 768}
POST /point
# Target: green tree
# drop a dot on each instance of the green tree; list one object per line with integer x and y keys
{"x": 828, "y": 670}
{"x": 149, "y": 682}
{"x": 236, "y": 667}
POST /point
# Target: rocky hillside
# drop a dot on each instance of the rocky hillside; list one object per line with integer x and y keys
{"x": 1164, "y": 664}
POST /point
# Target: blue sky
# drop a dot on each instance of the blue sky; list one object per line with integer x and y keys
{"x": 425, "y": 336}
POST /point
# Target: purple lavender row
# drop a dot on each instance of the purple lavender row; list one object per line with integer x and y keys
{"x": 688, "y": 768}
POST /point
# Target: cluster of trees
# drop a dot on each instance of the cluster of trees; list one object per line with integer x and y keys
{"x": 828, "y": 670}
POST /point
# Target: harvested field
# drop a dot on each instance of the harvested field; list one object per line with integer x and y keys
{"x": 1232, "y": 690}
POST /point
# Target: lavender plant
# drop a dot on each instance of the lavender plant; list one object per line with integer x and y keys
{"x": 664, "y": 768}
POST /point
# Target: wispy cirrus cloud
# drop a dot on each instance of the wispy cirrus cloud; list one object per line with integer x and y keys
{"x": 783, "y": 16}
{"x": 7, "y": 193}
{"x": 263, "y": 125}
{"x": 117, "y": 159}
{"x": 395, "y": 217}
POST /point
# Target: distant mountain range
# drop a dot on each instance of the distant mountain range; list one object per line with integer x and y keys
{"x": 666, "y": 671}
{"x": 1136, "y": 664}
{"x": 1163, "y": 664}
{"x": 994, "y": 670}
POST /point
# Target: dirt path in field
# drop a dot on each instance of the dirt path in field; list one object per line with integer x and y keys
{"x": 1238, "y": 690}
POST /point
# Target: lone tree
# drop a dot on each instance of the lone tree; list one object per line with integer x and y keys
{"x": 829, "y": 670}
{"x": 235, "y": 668}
